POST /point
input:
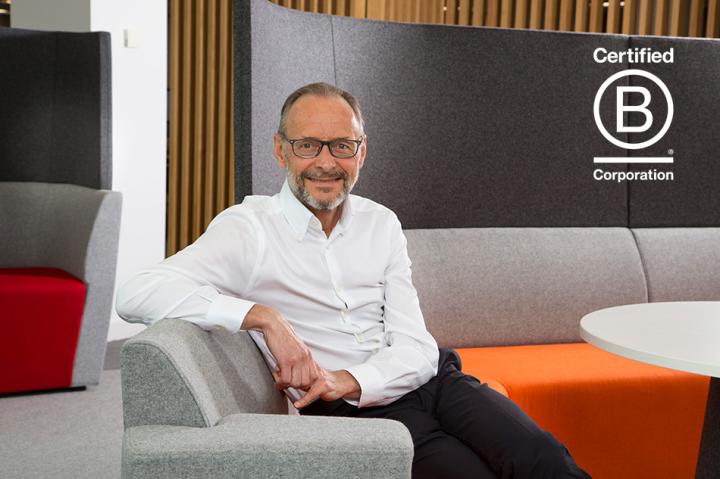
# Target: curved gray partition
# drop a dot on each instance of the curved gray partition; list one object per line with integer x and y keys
{"x": 473, "y": 127}
{"x": 56, "y": 107}
{"x": 693, "y": 197}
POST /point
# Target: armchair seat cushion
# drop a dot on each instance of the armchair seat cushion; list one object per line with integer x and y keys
{"x": 40, "y": 316}
{"x": 619, "y": 418}
{"x": 270, "y": 445}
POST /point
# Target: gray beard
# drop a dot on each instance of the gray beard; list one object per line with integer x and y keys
{"x": 296, "y": 184}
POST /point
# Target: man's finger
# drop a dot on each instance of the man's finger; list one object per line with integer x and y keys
{"x": 305, "y": 377}
{"x": 310, "y": 396}
{"x": 286, "y": 375}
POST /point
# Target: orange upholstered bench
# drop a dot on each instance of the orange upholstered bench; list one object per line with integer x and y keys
{"x": 619, "y": 418}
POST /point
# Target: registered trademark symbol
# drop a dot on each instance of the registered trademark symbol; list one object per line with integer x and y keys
{"x": 671, "y": 151}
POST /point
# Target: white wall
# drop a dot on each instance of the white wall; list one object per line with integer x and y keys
{"x": 139, "y": 84}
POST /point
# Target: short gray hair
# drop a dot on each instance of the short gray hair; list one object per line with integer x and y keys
{"x": 319, "y": 89}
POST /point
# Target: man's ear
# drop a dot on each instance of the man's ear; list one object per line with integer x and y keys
{"x": 363, "y": 152}
{"x": 278, "y": 151}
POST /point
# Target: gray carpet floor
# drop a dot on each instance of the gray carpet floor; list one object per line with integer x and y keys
{"x": 66, "y": 434}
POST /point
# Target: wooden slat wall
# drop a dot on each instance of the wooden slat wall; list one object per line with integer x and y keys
{"x": 200, "y": 148}
{"x": 698, "y": 18}
{"x": 200, "y": 144}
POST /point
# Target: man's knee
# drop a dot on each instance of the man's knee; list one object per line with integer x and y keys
{"x": 542, "y": 456}
{"x": 442, "y": 456}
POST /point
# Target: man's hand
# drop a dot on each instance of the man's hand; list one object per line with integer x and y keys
{"x": 331, "y": 385}
{"x": 296, "y": 367}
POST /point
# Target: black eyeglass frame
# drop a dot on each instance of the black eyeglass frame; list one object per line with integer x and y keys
{"x": 322, "y": 145}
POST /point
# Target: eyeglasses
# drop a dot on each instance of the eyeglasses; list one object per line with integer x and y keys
{"x": 311, "y": 147}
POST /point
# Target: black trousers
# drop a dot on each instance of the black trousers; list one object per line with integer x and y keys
{"x": 463, "y": 429}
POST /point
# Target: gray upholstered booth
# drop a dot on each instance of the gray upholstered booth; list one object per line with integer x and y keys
{"x": 56, "y": 209}
{"x": 482, "y": 140}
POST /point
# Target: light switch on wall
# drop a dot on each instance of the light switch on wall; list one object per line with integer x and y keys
{"x": 132, "y": 38}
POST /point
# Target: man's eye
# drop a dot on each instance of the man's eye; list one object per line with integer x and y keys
{"x": 306, "y": 145}
{"x": 342, "y": 146}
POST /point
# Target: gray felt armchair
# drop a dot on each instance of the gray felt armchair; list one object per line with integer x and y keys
{"x": 202, "y": 404}
{"x": 56, "y": 207}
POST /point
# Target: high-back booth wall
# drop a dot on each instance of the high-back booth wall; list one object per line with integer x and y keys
{"x": 471, "y": 127}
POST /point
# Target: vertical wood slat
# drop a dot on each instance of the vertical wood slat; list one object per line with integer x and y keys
{"x": 438, "y": 11}
{"x": 210, "y": 100}
{"x": 628, "y": 24}
{"x": 478, "y": 12}
{"x": 595, "y": 23}
{"x": 675, "y": 17}
{"x": 521, "y": 14}
{"x": 565, "y": 14}
{"x": 375, "y": 9}
{"x": 644, "y": 16}
{"x": 173, "y": 186}
{"x": 187, "y": 113}
{"x": 660, "y": 20}
{"x": 427, "y": 11}
{"x": 613, "y": 17}
{"x": 536, "y": 15}
{"x": 198, "y": 118}
{"x": 340, "y": 7}
{"x": 451, "y": 14}
{"x": 390, "y": 10}
{"x": 581, "y": 16}
{"x": 551, "y": 11}
{"x": 506, "y": 13}
{"x": 226, "y": 159}
{"x": 493, "y": 11}
{"x": 358, "y": 8}
{"x": 400, "y": 10}
{"x": 695, "y": 23}
{"x": 464, "y": 12}
{"x": 712, "y": 28}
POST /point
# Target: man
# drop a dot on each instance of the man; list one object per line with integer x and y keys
{"x": 321, "y": 280}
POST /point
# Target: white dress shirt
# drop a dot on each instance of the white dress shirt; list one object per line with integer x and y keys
{"x": 349, "y": 297}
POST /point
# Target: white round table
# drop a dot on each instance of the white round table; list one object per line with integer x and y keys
{"x": 680, "y": 335}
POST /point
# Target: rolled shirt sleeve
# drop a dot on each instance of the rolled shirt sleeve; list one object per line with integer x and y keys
{"x": 203, "y": 283}
{"x": 411, "y": 359}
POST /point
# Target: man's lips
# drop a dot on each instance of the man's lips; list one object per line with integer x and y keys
{"x": 326, "y": 181}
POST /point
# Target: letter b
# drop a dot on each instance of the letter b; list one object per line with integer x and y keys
{"x": 622, "y": 108}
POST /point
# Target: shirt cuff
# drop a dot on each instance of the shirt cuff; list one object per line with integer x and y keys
{"x": 371, "y": 384}
{"x": 228, "y": 312}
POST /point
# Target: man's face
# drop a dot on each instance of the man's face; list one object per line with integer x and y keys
{"x": 323, "y": 182}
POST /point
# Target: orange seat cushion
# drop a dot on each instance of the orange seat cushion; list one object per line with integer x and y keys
{"x": 619, "y": 418}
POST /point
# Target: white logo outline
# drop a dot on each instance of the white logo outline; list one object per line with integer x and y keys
{"x": 620, "y": 143}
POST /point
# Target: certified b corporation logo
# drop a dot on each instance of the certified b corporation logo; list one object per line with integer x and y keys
{"x": 621, "y": 108}
{"x": 617, "y": 128}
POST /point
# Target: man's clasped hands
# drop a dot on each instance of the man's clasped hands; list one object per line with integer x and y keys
{"x": 296, "y": 367}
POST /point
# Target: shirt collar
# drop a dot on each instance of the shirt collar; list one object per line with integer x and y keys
{"x": 299, "y": 216}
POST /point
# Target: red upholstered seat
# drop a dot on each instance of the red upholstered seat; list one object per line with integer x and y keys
{"x": 619, "y": 418}
{"x": 40, "y": 315}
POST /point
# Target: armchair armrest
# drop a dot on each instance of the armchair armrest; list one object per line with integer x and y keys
{"x": 269, "y": 445}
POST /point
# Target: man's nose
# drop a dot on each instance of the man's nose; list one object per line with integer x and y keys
{"x": 325, "y": 160}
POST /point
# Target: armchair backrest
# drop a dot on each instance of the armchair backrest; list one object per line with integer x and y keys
{"x": 56, "y": 107}
{"x": 175, "y": 373}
